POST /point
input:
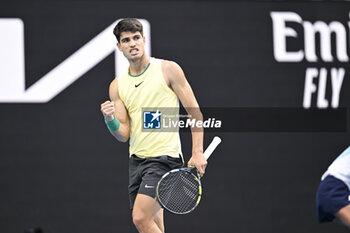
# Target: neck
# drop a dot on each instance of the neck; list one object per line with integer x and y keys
{"x": 139, "y": 65}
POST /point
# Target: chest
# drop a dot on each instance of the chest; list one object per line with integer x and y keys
{"x": 144, "y": 91}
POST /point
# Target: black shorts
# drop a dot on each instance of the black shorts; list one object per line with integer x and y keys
{"x": 332, "y": 195}
{"x": 144, "y": 174}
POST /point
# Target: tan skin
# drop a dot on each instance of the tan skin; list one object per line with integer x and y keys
{"x": 147, "y": 213}
{"x": 344, "y": 215}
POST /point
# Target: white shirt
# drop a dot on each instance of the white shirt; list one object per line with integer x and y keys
{"x": 340, "y": 168}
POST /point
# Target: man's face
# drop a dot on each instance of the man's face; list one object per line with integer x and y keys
{"x": 132, "y": 44}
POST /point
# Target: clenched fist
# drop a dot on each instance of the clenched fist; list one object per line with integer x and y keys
{"x": 107, "y": 109}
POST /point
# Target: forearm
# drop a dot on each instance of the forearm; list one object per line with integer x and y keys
{"x": 121, "y": 134}
{"x": 197, "y": 142}
{"x": 197, "y": 131}
{"x": 197, "y": 159}
{"x": 119, "y": 130}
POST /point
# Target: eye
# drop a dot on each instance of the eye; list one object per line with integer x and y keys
{"x": 137, "y": 37}
{"x": 125, "y": 40}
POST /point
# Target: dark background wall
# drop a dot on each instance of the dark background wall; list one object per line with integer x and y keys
{"x": 61, "y": 170}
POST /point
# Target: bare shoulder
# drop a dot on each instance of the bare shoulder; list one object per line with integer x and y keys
{"x": 113, "y": 89}
{"x": 170, "y": 66}
{"x": 172, "y": 71}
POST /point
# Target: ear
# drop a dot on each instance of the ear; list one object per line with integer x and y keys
{"x": 119, "y": 47}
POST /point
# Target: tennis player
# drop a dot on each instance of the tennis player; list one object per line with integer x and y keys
{"x": 149, "y": 82}
{"x": 333, "y": 195}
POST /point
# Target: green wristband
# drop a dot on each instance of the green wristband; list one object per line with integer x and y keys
{"x": 113, "y": 125}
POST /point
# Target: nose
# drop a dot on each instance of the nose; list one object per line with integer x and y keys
{"x": 132, "y": 43}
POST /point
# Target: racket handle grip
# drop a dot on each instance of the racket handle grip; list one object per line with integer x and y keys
{"x": 216, "y": 141}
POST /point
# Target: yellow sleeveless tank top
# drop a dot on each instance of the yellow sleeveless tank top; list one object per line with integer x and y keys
{"x": 149, "y": 90}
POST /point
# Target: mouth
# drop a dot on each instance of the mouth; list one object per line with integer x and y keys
{"x": 133, "y": 51}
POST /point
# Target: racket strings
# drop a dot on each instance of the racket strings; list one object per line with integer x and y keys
{"x": 179, "y": 192}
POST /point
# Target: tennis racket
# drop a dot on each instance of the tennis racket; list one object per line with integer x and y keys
{"x": 179, "y": 191}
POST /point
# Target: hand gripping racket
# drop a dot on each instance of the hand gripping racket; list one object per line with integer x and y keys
{"x": 179, "y": 191}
